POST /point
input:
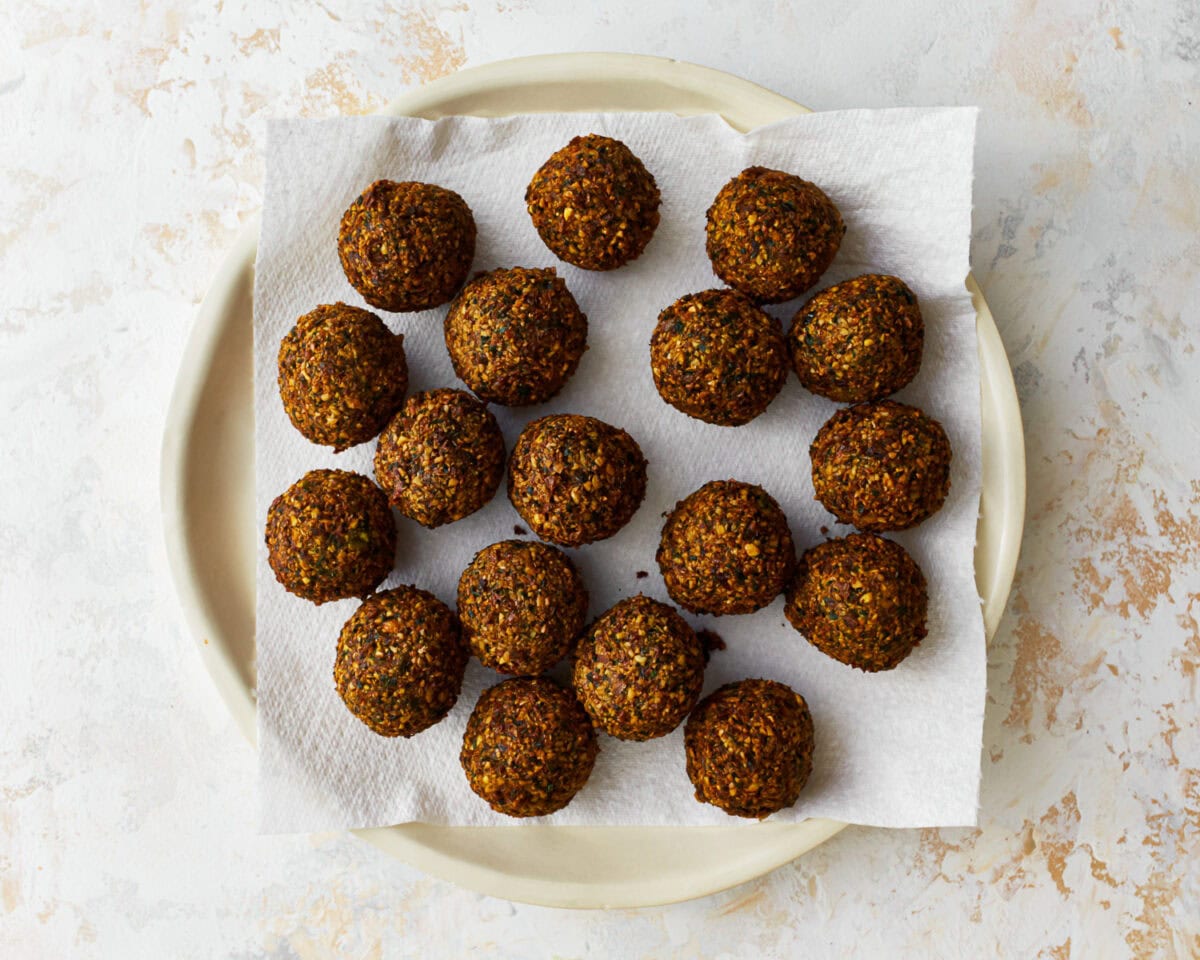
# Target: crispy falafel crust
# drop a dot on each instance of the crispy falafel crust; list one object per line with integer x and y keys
{"x": 594, "y": 203}
{"x": 342, "y": 374}
{"x": 441, "y": 458}
{"x": 528, "y": 747}
{"x": 400, "y": 662}
{"x": 749, "y": 747}
{"x": 406, "y": 246}
{"x": 717, "y": 357}
{"x": 726, "y": 548}
{"x": 771, "y": 234}
{"x": 521, "y": 605}
{"x": 330, "y": 536}
{"x": 639, "y": 669}
{"x": 860, "y": 599}
{"x": 575, "y": 479}
{"x": 881, "y": 465}
{"x": 858, "y": 340}
{"x": 515, "y": 336}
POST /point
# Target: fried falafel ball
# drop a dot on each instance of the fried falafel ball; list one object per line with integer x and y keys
{"x": 407, "y": 246}
{"x": 639, "y": 669}
{"x": 576, "y": 479}
{"x": 715, "y": 356}
{"x": 881, "y": 466}
{"x": 859, "y": 340}
{"x": 726, "y": 548}
{"x": 860, "y": 599}
{"x": 400, "y": 662}
{"x": 521, "y": 604}
{"x": 441, "y": 458}
{"x": 342, "y": 374}
{"x": 528, "y": 747}
{"x": 594, "y": 203}
{"x": 749, "y": 747}
{"x": 330, "y": 536}
{"x": 515, "y": 336}
{"x": 771, "y": 235}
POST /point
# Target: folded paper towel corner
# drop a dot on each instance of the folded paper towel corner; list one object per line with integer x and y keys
{"x": 898, "y": 749}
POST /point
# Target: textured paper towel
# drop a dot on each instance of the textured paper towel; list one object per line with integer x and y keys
{"x": 895, "y": 749}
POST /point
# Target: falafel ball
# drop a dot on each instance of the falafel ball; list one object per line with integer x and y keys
{"x": 521, "y": 604}
{"x": 881, "y": 466}
{"x": 342, "y": 374}
{"x": 771, "y": 235}
{"x": 639, "y": 669}
{"x": 715, "y": 356}
{"x": 330, "y": 536}
{"x": 594, "y": 203}
{"x": 400, "y": 662}
{"x": 440, "y": 458}
{"x": 726, "y": 548}
{"x": 860, "y": 599}
{"x": 407, "y": 246}
{"x": 859, "y": 340}
{"x": 528, "y": 747}
{"x": 515, "y": 336}
{"x": 576, "y": 479}
{"x": 749, "y": 747}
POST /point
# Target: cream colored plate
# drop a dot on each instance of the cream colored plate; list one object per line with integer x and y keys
{"x": 208, "y": 515}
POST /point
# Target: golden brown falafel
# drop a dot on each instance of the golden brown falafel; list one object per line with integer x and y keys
{"x": 858, "y": 340}
{"x": 331, "y": 536}
{"x": 726, "y": 548}
{"x": 515, "y": 336}
{"x": 860, "y": 599}
{"x": 881, "y": 466}
{"x": 521, "y": 604}
{"x": 594, "y": 203}
{"x": 528, "y": 747}
{"x": 407, "y": 246}
{"x": 717, "y": 357}
{"x": 771, "y": 235}
{"x": 638, "y": 670}
{"x": 576, "y": 479}
{"x": 342, "y": 374}
{"x": 441, "y": 458}
{"x": 400, "y": 662}
{"x": 749, "y": 747}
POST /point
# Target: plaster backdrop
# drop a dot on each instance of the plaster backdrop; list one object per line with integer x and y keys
{"x": 131, "y": 152}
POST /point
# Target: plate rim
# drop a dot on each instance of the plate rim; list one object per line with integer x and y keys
{"x": 414, "y": 842}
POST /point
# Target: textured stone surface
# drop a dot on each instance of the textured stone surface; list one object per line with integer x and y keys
{"x": 130, "y": 152}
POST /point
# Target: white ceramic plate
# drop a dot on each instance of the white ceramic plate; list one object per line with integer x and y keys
{"x": 208, "y": 515}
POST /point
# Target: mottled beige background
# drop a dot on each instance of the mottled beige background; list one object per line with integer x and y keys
{"x": 130, "y": 153}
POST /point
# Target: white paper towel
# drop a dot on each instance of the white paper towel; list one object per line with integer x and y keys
{"x": 895, "y": 749}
